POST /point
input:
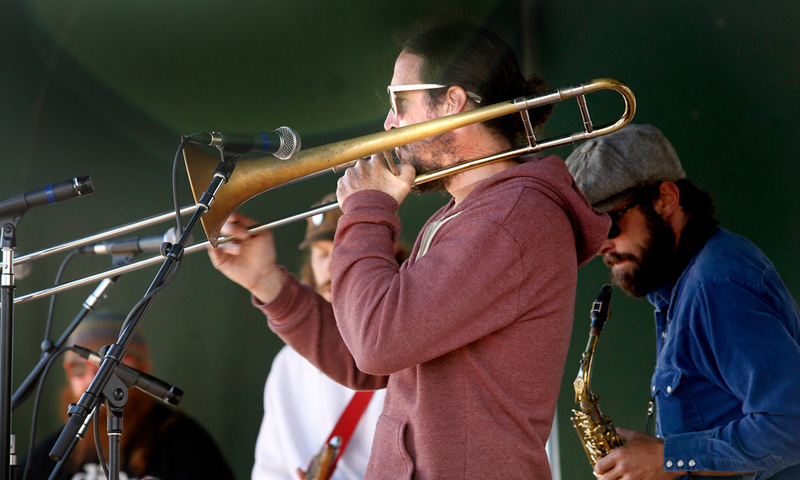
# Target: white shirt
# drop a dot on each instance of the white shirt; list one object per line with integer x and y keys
{"x": 301, "y": 407}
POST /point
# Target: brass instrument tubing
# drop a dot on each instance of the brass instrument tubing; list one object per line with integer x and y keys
{"x": 104, "y": 235}
{"x": 158, "y": 259}
{"x": 587, "y": 120}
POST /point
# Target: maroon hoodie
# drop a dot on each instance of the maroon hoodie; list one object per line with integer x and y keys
{"x": 469, "y": 336}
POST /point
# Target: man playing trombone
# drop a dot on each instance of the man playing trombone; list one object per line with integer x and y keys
{"x": 469, "y": 336}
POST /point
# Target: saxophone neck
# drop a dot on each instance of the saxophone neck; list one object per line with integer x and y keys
{"x": 598, "y": 315}
{"x": 582, "y": 383}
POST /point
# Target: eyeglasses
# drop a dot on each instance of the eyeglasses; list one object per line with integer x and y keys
{"x": 393, "y": 89}
{"x": 614, "y": 231}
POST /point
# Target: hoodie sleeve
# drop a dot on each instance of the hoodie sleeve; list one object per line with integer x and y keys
{"x": 305, "y": 321}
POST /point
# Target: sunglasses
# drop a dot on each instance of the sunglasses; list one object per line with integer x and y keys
{"x": 393, "y": 89}
{"x": 614, "y": 231}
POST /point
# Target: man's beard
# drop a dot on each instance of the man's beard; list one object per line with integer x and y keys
{"x": 428, "y": 155}
{"x": 653, "y": 268}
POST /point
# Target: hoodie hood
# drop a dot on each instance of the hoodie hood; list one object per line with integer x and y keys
{"x": 551, "y": 176}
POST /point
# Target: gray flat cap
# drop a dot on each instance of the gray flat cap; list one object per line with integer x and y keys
{"x": 608, "y": 169}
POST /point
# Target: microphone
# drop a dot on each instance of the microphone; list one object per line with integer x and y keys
{"x": 56, "y": 192}
{"x": 158, "y": 389}
{"x": 134, "y": 245}
{"x": 282, "y": 143}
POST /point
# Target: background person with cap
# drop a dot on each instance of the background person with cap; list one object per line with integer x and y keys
{"x": 726, "y": 382}
{"x": 301, "y": 404}
{"x": 157, "y": 441}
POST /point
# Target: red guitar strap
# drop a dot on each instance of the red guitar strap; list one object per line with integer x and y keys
{"x": 347, "y": 423}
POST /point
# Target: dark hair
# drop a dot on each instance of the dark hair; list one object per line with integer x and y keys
{"x": 480, "y": 62}
{"x": 696, "y": 203}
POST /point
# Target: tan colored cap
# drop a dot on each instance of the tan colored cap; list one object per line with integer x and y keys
{"x": 321, "y": 226}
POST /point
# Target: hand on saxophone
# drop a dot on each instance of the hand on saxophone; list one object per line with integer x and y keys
{"x": 374, "y": 174}
{"x": 640, "y": 458}
{"x": 247, "y": 259}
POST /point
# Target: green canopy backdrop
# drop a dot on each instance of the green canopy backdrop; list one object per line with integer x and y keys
{"x": 106, "y": 89}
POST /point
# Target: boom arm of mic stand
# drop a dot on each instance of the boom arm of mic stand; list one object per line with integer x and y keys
{"x": 89, "y": 304}
{"x": 88, "y": 401}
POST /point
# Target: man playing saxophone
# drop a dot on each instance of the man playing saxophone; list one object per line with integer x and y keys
{"x": 727, "y": 375}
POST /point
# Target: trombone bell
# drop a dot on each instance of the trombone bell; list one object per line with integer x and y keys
{"x": 251, "y": 177}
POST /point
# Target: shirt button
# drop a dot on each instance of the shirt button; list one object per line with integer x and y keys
{"x": 654, "y": 388}
{"x": 692, "y": 463}
{"x": 669, "y": 463}
{"x": 664, "y": 334}
{"x": 680, "y": 463}
{"x": 669, "y": 389}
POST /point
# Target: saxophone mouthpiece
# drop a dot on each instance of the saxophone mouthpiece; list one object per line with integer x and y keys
{"x": 599, "y": 312}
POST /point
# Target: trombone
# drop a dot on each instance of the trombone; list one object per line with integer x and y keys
{"x": 255, "y": 176}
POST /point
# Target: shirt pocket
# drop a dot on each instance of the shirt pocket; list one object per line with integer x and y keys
{"x": 677, "y": 410}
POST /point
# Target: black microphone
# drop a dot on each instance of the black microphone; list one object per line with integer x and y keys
{"x": 158, "y": 389}
{"x": 56, "y": 192}
{"x": 134, "y": 245}
{"x": 282, "y": 143}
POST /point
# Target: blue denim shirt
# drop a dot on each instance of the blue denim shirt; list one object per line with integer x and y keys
{"x": 727, "y": 377}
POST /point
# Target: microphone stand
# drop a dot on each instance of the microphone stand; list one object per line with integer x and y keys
{"x": 115, "y": 396}
{"x": 8, "y": 243}
{"x": 157, "y": 389}
{"x": 49, "y": 347}
{"x": 12, "y": 211}
{"x": 89, "y": 400}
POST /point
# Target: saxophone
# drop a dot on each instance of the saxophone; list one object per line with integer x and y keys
{"x": 595, "y": 430}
